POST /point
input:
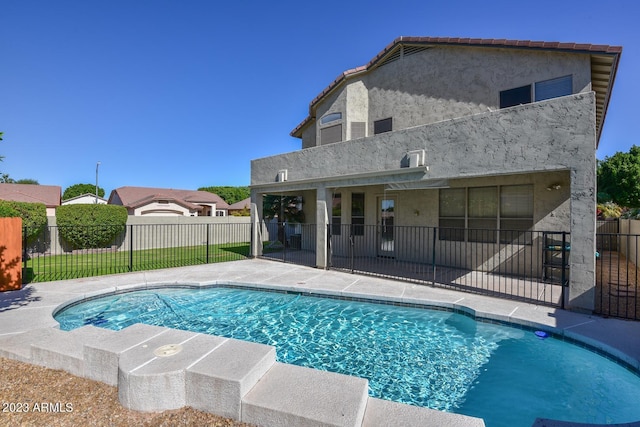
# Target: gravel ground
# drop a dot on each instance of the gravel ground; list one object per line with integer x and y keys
{"x": 50, "y": 397}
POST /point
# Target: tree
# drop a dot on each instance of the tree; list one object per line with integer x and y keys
{"x": 27, "y": 181}
{"x": 285, "y": 209}
{"x": 80, "y": 189}
{"x": 229, "y": 194}
{"x": 619, "y": 178}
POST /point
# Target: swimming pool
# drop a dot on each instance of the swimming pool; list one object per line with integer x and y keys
{"x": 438, "y": 359}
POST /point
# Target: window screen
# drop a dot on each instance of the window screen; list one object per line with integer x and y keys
{"x": 483, "y": 214}
{"x": 358, "y": 130}
{"x": 336, "y": 214}
{"x": 516, "y": 213}
{"x": 384, "y": 125}
{"x": 481, "y": 211}
{"x": 562, "y": 86}
{"x": 357, "y": 213}
{"x": 452, "y": 213}
{"x": 517, "y": 96}
{"x": 331, "y": 134}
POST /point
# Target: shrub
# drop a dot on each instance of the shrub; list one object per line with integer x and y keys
{"x": 34, "y": 216}
{"x": 7, "y": 211}
{"x": 609, "y": 210}
{"x": 631, "y": 214}
{"x": 90, "y": 226}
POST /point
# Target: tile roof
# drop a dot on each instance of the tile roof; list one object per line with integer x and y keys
{"x": 50, "y": 195}
{"x": 246, "y": 203}
{"x": 460, "y": 41}
{"x": 137, "y": 196}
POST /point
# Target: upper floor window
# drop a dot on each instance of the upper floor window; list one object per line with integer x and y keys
{"x": 562, "y": 86}
{"x": 358, "y": 130}
{"x": 384, "y": 125}
{"x": 331, "y": 117}
{"x": 331, "y": 134}
{"x": 539, "y": 91}
{"x": 517, "y": 96}
{"x": 331, "y": 128}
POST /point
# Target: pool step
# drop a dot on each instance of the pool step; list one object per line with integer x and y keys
{"x": 291, "y": 395}
{"x": 65, "y": 350}
{"x": 18, "y": 346}
{"x": 151, "y": 376}
{"x": 157, "y": 368}
{"x": 101, "y": 358}
{"x": 218, "y": 382}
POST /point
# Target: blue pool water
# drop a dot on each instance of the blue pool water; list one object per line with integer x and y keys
{"x": 437, "y": 359}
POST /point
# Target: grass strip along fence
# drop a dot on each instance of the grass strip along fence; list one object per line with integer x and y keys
{"x": 137, "y": 248}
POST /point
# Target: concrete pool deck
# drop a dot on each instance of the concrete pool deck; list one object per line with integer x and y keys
{"x": 159, "y": 368}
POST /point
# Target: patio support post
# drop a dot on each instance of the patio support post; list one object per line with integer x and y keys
{"x": 582, "y": 273}
{"x": 256, "y": 224}
{"x": 323, "y": 198}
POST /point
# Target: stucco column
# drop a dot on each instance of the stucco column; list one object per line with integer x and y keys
{"x": 581, "y": 292}
{"x": 256, "y": 223}
{"x": 323, "y": 197}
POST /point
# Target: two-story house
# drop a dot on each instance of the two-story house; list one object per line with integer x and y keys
{"x": 457, "y": 134}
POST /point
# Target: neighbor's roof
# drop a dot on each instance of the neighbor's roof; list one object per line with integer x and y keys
{"x": 133, "y": 197}
{"x": 87, "y": 195}
{"x": 50, "y": 195}
{"x": 604, "y": 64}
{"x": 246, "y": 203}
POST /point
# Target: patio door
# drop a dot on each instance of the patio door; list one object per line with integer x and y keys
{"x": 386, "y": 222}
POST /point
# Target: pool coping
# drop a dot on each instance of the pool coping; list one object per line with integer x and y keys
{"x": 37, "y": 302}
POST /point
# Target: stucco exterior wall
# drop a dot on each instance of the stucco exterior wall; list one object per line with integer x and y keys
{"x": 557, "y": 134}
{"x": 443, "y": 83}
{"x": 357, "y": 106}
{"x": 549, "y": 142}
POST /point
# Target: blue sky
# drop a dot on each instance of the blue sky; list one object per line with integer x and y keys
{"x": 183, "y": 94}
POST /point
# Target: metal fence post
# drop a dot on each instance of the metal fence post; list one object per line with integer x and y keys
{"x": 329, "y": 252}
{"x": 207, "y": 240}
{"x": 351, "y": 248}
{"x": 564, "y": 269}
{"x": 130, "y": 247}
{"x": 433, "y": 258}
{"x": 25, "y": 258}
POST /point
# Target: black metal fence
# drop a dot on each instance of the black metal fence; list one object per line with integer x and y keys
{"x": 617, "y": 276}
{"x": 526, "y": 265}
{"x": 608, "y": 226}
{"x": 290, "y": 242}
{"x": 138, "y": 247}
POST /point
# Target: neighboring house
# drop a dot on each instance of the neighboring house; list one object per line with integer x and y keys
{"x": 447, "y": 132}
{"x": 241, "y": 206}
{"x": 145, "y": 201}
{"x": 85, "y": 199}
{"x": 50, "y": 195}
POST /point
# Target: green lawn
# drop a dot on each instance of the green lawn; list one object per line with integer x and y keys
{"x": 44, "y": 268}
